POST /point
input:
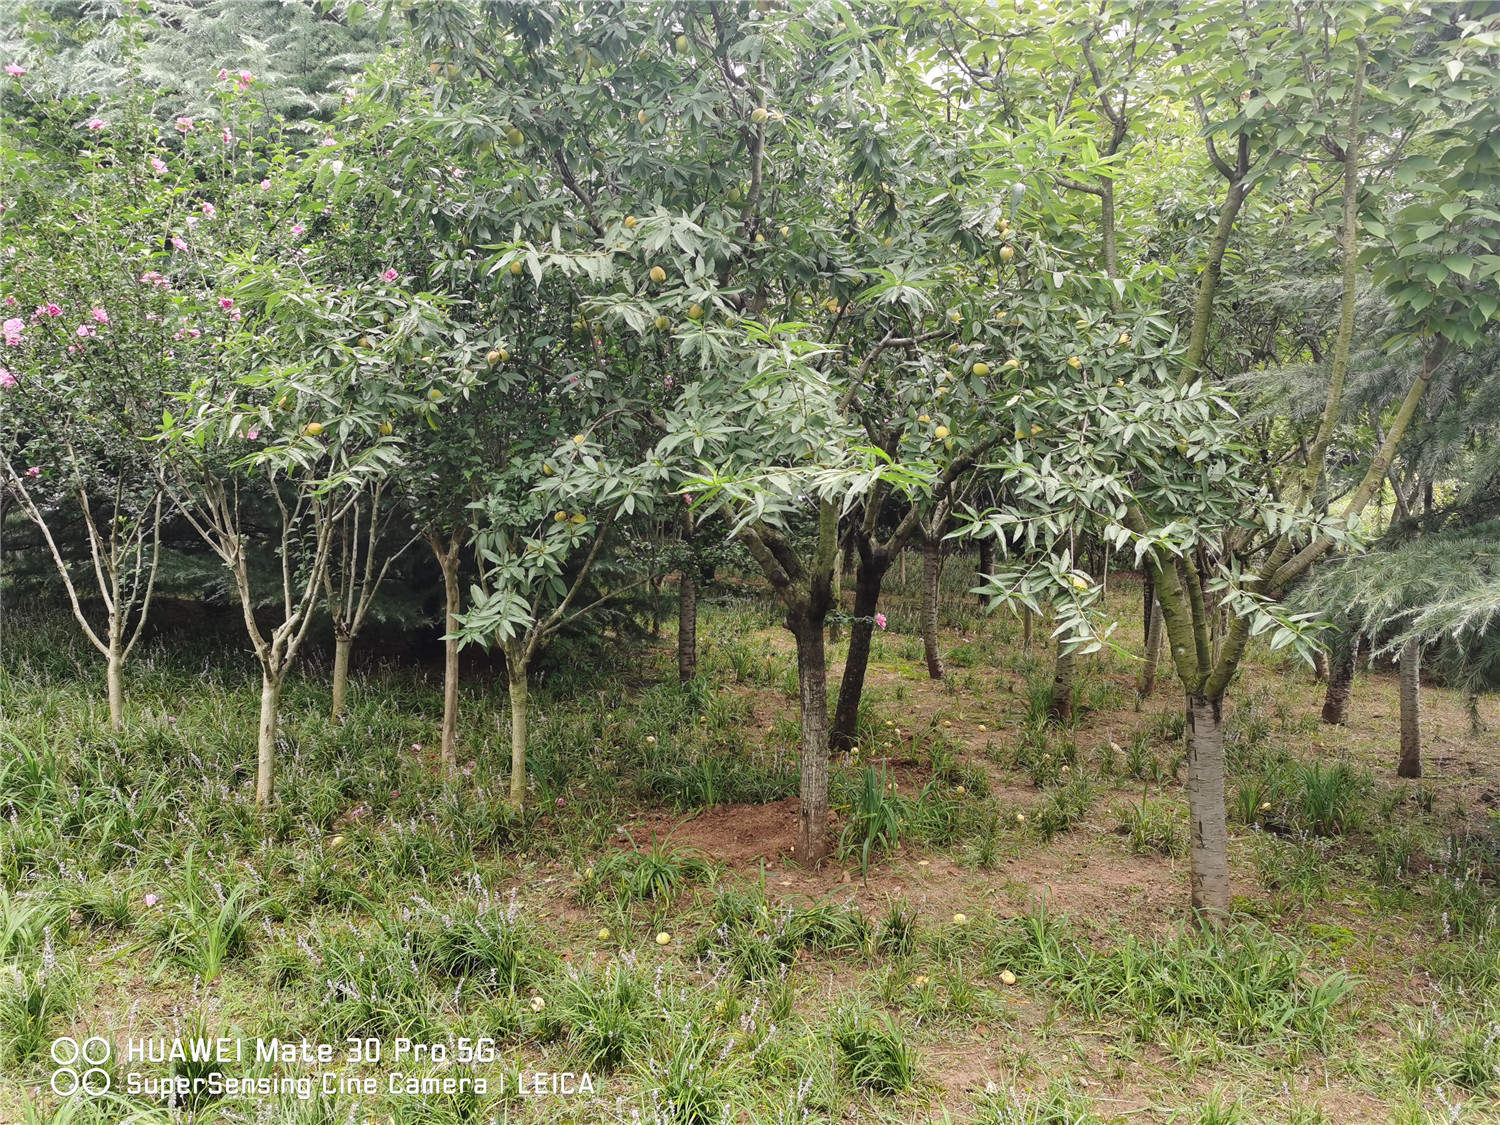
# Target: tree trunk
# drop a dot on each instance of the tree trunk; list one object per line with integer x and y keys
{"x": 342, "y": 644}
{"x": 687, "y": 622}
{"x": 114, "y": 679}
{"x": 1026, "y": 627}
{"x": 1061, "y": 710}
{"x": 265, "y": 741}
{"x": 867, "y": 581}
{"x": 1411, "y": 710}
{"x": 812, "y": 679}
{"x": 1206, "y": 808}
{"x": 931, "y": 562}
{"x": 516, "y": 668}
{"x": 1340, "y": 682}
{"x": 834, "y": 631}
{"x": 449, "y": 751}
{"x": 1154, "y": 631}
{"x": 986, "y": 563}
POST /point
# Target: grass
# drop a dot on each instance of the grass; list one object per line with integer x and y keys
{"x": 141, "y": 888}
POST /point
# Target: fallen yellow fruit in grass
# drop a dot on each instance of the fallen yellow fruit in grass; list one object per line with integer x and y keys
{"x": 959, "y": 789}
{"x": 664, "y": 938}
{"x": 1007, "y": 977}
{"x": 960, "y": 919}
{"x": 651, "y": 740}
{"x": 604, "y": 934}
{"x": 1020, "y": 818}
{"x": 335, "y": 841}
{"x": 983, "y": 728}
{"x": 537, "y": 1003}
{"x": 920, "y": 980}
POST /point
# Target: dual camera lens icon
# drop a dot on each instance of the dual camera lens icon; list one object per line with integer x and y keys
{"x": 79, "y": 1066}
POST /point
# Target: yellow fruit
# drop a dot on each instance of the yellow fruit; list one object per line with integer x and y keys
{"x": 1074, "y": 362}
{"x": 335, "y": 841}
{"x": 434, "y": 395}
{"x": 759, "y": 114}
{"x": 1007, "y": 977}
{"x": 695, "y": 311}
{"x": 546, "y": 470}
{"x": 1007, "y": 253}
{"x": 981, "y": 369}
{"x": 785, "y": 231}
{"x": 1035, "y": 430}
{"x": 941, "y": 432}
{"x": 579, "y": 517}
{"x": 386, "y": 429}
{"x": 663, "y": 323}
{"x": 493, "y": 357}
{"x": 658, "y": 274}
{"x": 313, "y": 429}
{"x": 578, "y": 439}
{"x": 733, "y": 195}
{"x": 955, "y": 316}
{"x": 664, "y": 938}
{"x": 760, "y": 238}
{"x": 560, "y": 517}
{"x": 1124, "y": 338}
{"x": 642, "y": 116}
{"x": 630, "y": 221}
{"x": 960, "y": 919}
{"x": 514, "y": 135}
{"x": 603, "y": 934}
{"x": 364, "y": 341}
{"x": 537, "y": 1003}
{"x": 887, "y": 241}
{"x": 1012, "y": 363}
{"x": 515, "y": 267}
{"x": 1119, "y": 382}
{"x": 924, "y": 418}
{"x": 682, "y": 44}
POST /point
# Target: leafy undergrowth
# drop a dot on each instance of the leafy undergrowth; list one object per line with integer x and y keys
{"x": 1002, "y": 938}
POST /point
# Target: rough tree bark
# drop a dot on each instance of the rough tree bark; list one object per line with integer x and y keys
{"x": 1061, "y": 710}
{"x": 265, "y": 738}
{"x": 516, "y": 674}
{"x": 1411, "y": 710}
{"x": 867, "y": 580}
{"x": 812, "y": 683}
{"x": 1206, "y": 808}
{"x": 1340, "y": 681}
{"x": 343, "y": 644}
{"x": 447, "y": 554}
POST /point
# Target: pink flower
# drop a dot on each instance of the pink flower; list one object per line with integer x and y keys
{"x": 10, "y": 299}
{"x": 184, "y": 124}
{"x": 72, "y": 349}
{"x": 13, "y": 329}
{"x": 265, "y": 185}
{"x": 158, "y": 165}
{"x": 49, "y": 309}
{"x": 329, "y": 142}
{"x": 252, "y": 435}
{"x": 84, "y": 331}
{"x": 244, "y": 79}
{"x": 99, "y": 315}
{"x": 298, "y": 228}
{"x": 7, "y": 380}
{"x": 227, "y": 137}
{"x": 880, "y": 620}
{"x": 560, "y": 803}
{"x": 223, "y": 73}
{"x": 34, "y": 472}
{"x": 234, "y": 314}
{"x": 14, "y": 71}
{"x": 150, "y": 900}
{"x": 389, "y": 275}
{"x": 178, "y": 244}
{"x": 94, "y": 123}
{"x": 226, "y": 302}
{"x": 209, "y": 210}
{"x": 416, "y": 748}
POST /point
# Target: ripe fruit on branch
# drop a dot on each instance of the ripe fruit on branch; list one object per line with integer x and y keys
{"x": 514, "y": 135}
{"x": 630, "y": 221}
{"x": 695, "y": 311}
{"x": 313, "y": 429}
{"x": 759, "y": 114}
{"x": 1007, "y": 253}
{"x": 981, "y": 369}
{"x": 386, "y": 429}
{"x": 642, "y": 116}
{"x": 516, "y": 267}
{"x": 658, "y": 274}
{"x": 663, "y": 323}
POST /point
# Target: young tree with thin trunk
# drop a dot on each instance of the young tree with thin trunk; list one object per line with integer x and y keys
{"x": 351, "y": 581}
{"x": 1410, "y": 764}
